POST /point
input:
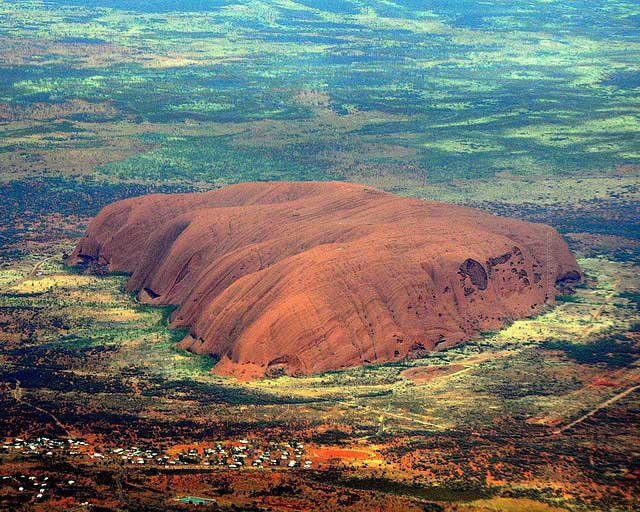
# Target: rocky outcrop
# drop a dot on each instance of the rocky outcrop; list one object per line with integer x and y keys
{"x": 296, "y": 278}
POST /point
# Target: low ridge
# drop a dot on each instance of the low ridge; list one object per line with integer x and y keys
{"x": 303, "y": 277}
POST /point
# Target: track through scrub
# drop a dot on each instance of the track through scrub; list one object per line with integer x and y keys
{"x": 600, "y": 406}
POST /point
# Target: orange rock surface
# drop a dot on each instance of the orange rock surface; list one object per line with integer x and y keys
{"x": 305, "y": 277}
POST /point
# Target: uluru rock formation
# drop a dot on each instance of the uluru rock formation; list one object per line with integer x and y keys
{"x": 299, "y": 278}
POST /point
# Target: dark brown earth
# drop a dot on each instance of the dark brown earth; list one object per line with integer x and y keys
{"x": 305, "y": 277}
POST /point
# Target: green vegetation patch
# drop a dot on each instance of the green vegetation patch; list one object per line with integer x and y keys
{"x": 217, "y": 160}
{"x": 614, "y": 351}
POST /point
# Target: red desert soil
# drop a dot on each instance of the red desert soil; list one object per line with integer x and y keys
{"x": 304, "y": 277}
{"x": 326, "y": 453}
{"x": 423, "y": 374}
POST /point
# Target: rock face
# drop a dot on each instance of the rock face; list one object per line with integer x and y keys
{"x": 305, "y": 277}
